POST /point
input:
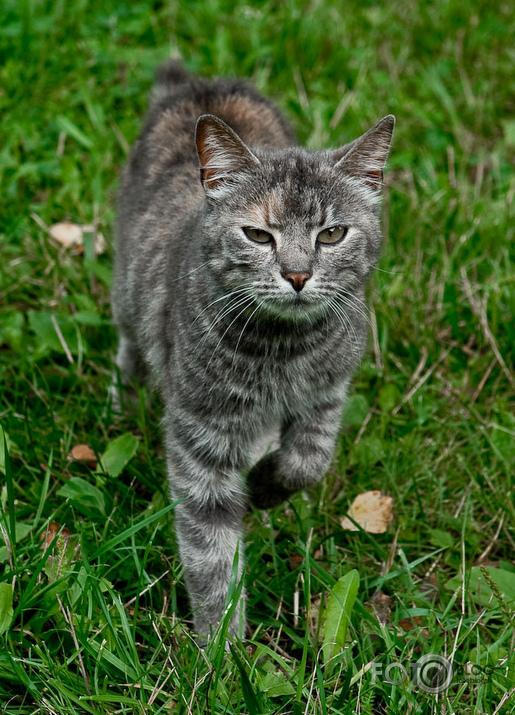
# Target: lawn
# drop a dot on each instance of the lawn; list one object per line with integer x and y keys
{"x": 93, "y": 610}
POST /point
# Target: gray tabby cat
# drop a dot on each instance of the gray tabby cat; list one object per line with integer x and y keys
{"x": 240, "y": 294}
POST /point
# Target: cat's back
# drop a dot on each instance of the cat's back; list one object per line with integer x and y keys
{"x": 180, "y": 98}
{"x": 165, "y": 149}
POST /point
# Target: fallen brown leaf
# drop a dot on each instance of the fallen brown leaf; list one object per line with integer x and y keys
{"x": 408, "y": 624}
{"x": 313, "y": 613}
{"x": 65, "y": 551}
{"x": 53, "y": 529}
{"x": 296, "y": 560}
{"x": 83, "y": 453}
{"x": 429, "y": 587}
{"x": 372, "y": 510}
{"x": 382, "y": 605}
{"x": 71, "y": 234}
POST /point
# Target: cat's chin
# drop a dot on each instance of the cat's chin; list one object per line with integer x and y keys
{"x": 298, "y": 308}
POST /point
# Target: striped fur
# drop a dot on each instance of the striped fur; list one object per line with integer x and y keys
{"x": 205, "y": 314}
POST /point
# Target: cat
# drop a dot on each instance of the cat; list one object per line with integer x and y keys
{"x": 239, "y": 294}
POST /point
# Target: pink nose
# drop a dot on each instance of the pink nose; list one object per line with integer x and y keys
{"x": 297, "y": 279}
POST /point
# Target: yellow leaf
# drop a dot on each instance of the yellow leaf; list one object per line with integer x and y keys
{"x": 372, "y": 510}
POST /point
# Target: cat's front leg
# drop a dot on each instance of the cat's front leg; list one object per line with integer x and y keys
{"x": 130, "y": 365}
{"x": 203, "y": 475}
{"x": 304, "y": 455}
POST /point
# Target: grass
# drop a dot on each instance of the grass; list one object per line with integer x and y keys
{"x": 99, "y": 620}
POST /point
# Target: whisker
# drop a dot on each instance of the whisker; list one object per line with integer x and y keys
{"x": 227, "y": 295}
{"x": 345, "y": 321}
{"x": 373, "y": 326}
{"x": 342, "y": 317}
{"x": 247, "y": 305}
{"x": 345, "y": 299}
{"x": 194, "y": 270}
{"x": 341, "y": 304}
{"x": 243, "y": 329}
{"x": 222, "y": 314}
{"x": 354, "y": 297}
{"x": 392, "y": 273}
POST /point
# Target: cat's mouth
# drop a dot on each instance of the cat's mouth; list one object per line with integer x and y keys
{"x": 299, "y": 302}
{"x": 294, "y": 306}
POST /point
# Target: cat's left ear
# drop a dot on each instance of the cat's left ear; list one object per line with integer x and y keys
{"x": 365, "y": 157}
{"x": 222, "y": 154}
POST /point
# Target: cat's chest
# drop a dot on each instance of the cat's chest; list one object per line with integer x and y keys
{"x": 278, "y": 385}
{"x": 261, "y": 373}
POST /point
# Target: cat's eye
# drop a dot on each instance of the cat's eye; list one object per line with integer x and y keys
{"x": 257, "y": 235}
{"x": 332, "y": 235}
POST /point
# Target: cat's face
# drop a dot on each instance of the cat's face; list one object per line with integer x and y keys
{"x": 292, "y": 232}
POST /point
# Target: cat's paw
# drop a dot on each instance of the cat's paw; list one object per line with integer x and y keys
{"x": 114, "y": 400}
{"x": 264, "y": 483}
{"x": 122, "y": 397}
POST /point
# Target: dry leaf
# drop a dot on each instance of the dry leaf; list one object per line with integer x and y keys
{"x": 429, "y": 587}
{"x": 372, "y": 511}
{"x": 314, "y": 612}
{"x": 408, "y": 624}
{"x": 64, "y": 553}
{"x": 382, "y": 605}
{"x": 83, "y": 453}
{"x": 53, "y": 529}
{"x": 296, "y": 560}
{"x": 71, "y": 234}
{"x": 100, "y": 242}
{"x": 67, "y": 233}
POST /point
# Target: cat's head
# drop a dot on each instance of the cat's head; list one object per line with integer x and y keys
{"x": 297, "y": 231}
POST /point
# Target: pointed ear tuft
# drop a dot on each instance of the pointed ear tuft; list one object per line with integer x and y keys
{"x": 222, "y": 154}
{"x": 365, "y": 157}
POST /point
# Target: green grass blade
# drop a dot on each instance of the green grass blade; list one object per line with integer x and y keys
{"x": 337, "y": 613}
{"x": 252, "y": 697}
{"x": 115, "y": 541}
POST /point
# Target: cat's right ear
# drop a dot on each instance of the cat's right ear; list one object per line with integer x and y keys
{"x": 222, "y": 154}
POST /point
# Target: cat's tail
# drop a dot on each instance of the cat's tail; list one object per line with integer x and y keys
{"x": 169, "y": 77}
{"x": 171, "y": 72}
